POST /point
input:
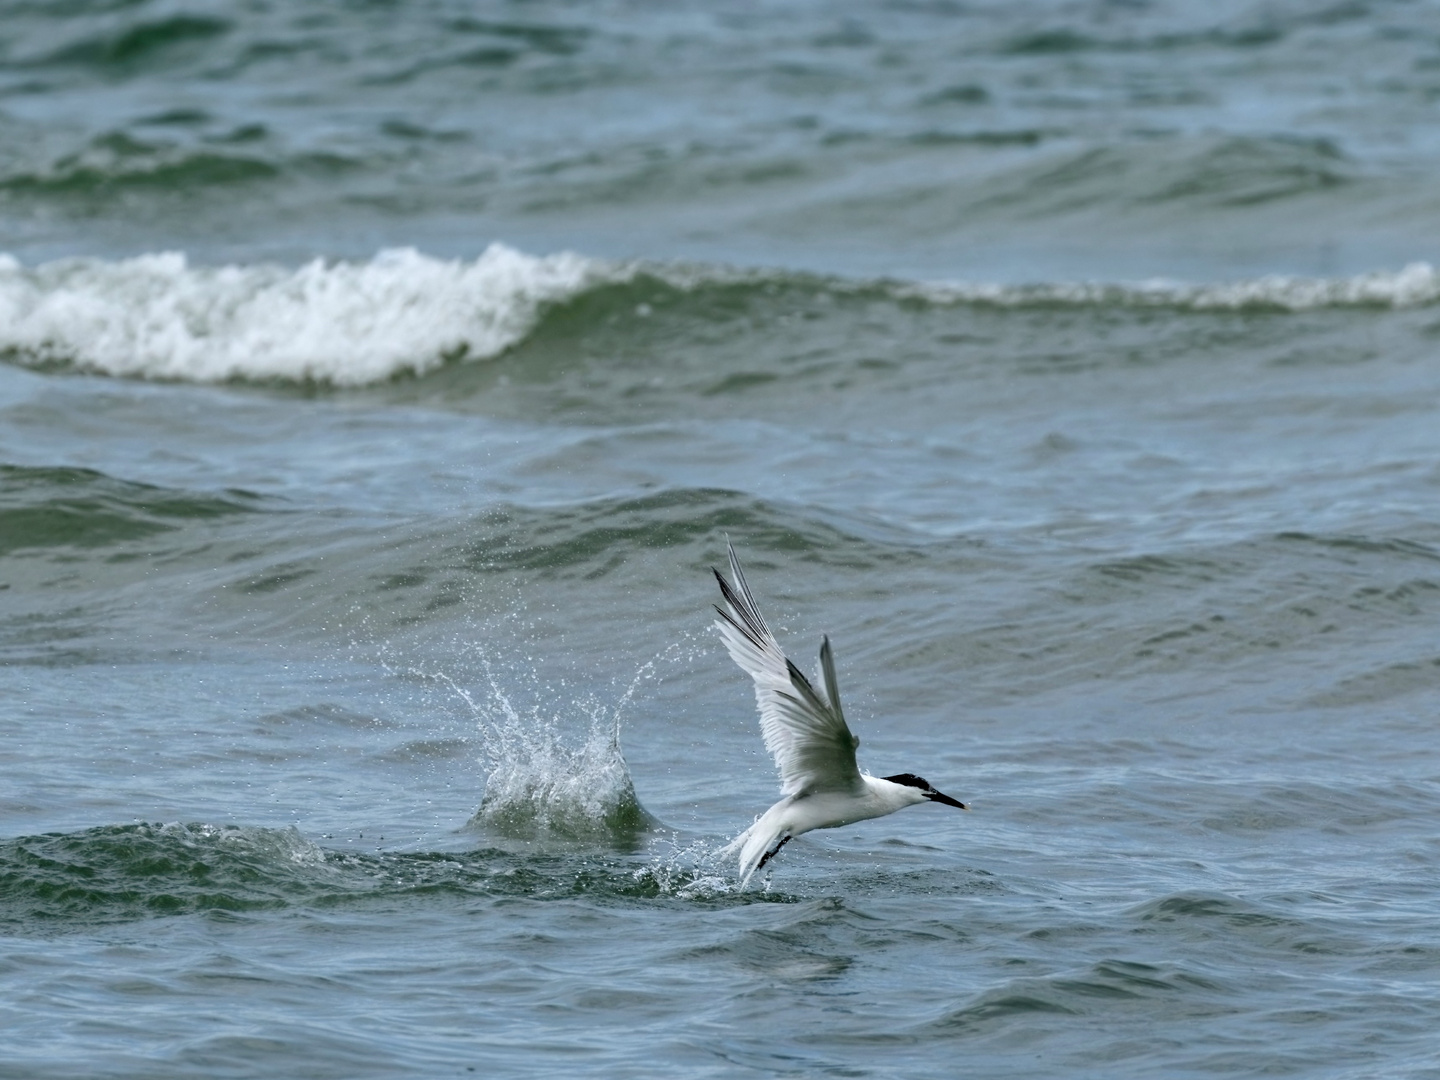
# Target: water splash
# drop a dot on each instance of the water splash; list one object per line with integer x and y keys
{"x": 541, "y": 783}
{"x": 553, "y": 771}
{"x": 691, "y": 872}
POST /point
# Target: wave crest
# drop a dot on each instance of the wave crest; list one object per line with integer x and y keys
{"x": 1417, "y": 285}
{"x": 350, "y": 324}
{"x": 347, "y": 324}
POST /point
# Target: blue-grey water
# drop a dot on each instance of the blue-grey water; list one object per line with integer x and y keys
{"x": 379, "y": 381}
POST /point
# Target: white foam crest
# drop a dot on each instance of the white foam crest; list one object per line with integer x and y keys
{"x": 348, "y": 324}
{"x": 1416, "y": 285}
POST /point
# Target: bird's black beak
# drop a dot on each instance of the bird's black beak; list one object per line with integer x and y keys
{"x": 941, "y": 797}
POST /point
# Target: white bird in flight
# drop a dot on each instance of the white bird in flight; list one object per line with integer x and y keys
{"x": 805, "y": 730}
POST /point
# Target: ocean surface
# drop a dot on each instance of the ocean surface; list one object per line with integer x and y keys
{"x": 380, "y": 381}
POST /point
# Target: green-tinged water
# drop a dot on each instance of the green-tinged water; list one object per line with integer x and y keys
{"x": 379, "y": 383}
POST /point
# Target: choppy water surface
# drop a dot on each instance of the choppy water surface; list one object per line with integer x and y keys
{"x": 380, "y": 382}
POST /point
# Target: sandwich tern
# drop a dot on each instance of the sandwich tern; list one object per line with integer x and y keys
{"x": 806, "y": 732}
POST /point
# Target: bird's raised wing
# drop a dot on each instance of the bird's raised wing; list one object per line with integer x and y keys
{"x": 803, "y": 729}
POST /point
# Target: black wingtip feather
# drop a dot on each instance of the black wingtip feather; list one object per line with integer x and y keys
{"x": 741, "y": 604}
{"x": 797, "y": 676}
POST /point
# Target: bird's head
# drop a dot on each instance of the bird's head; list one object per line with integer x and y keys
{"x": 925, "y": 790}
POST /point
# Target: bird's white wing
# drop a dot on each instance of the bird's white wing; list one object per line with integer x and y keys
{"x": 803, "y": 729}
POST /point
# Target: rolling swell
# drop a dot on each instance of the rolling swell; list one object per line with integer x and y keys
{"x": 1102, "y": 988}
{"x": 71, "y": 507}
{"x": 120, "y": 873}
{"x": 485, "y": 566}
{"x": 1211, "y": 174}
{"x": 142, "y": 41}
{"x": 1159, "y": 610}
{"x": 114, "y": 163}
{"x": 593, "y": 538}
{"x": 1197, "y": 615}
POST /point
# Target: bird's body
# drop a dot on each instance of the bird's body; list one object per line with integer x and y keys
{"x": 806, "y": 732}
{"x": 796, "y": 814}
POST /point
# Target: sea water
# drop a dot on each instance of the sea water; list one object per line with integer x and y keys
{"x": 379, "y": 382}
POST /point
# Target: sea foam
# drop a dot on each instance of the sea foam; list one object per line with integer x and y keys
{"x": 343, "y": 323}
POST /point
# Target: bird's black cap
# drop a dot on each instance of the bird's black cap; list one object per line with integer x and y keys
{"x": 909, "y": 779}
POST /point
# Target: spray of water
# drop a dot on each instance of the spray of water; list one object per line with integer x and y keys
{"x": 694, "y": 871}
{"x": 555, "y": 771}
{"x": 554, "y": 768}
{"x": 542, "y": 780}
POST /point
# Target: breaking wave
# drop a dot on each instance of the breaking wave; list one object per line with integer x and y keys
{"x": 346, "y": 324}
{"x": 350, "y": 324}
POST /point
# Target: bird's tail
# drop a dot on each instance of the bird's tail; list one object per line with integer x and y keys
{"x": 752, "y": 844}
